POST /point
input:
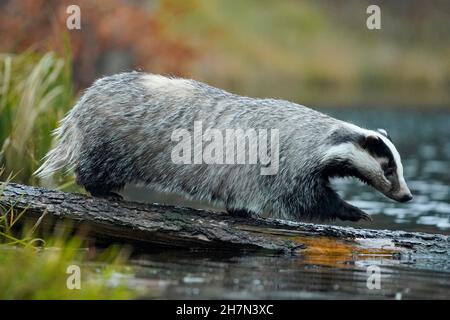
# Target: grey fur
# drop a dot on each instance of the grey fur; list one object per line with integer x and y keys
{"x": 120, "y": 130}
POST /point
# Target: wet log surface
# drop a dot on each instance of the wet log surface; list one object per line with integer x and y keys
{"x": 157, "y": 225}
{"x": 187, "y": 253}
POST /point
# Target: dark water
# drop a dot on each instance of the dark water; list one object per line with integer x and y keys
{"x": 423, "y": 139}
{"x": 209, "y": 275}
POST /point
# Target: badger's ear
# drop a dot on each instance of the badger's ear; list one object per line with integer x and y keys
{"x": 369, "y": 142}
{"x": 384, "y": 133}
{"x": 375, "y": 146}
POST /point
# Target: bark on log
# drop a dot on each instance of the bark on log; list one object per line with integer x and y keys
{"x": 152, "y": 224}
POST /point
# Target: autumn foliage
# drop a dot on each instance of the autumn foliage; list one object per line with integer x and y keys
{"x": 115, "y": 35}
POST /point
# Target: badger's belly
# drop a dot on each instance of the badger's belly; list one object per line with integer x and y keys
{"x": 145, "y": 194}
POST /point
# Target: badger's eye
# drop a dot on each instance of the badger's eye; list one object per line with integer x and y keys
{"x": 389, "y": 172}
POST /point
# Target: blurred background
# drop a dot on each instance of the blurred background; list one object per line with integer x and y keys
{"x": 317, "y": 53}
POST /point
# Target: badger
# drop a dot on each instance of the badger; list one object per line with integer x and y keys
{"x": 120, "y": 133}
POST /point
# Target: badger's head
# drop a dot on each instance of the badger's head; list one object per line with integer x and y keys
{"x": 370, "y": 156}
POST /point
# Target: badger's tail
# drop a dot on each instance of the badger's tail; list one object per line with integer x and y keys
{"x": 65, "y": 153}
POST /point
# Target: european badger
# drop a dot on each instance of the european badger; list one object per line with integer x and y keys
{"x": 120, "y": 131}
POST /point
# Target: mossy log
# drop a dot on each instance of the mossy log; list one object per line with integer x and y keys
{"x": 150, "y": 225}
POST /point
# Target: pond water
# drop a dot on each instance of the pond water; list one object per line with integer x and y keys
{"x": 210, "y": 275}
{"x": 423, "y": 139}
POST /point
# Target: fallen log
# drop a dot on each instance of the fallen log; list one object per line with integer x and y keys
{"x": 158, "y": 225}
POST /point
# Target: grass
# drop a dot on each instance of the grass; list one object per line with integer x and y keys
{"x": 36, "y": 91}
{"x": 28, "y": 272}
{"x": 33, "y": 267}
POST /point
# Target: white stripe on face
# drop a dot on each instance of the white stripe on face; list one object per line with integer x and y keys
{"x": 361, "y": 160}
{"x": 398, "y": 162}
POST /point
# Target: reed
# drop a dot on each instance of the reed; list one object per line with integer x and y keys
{"x": 35, "y": 92}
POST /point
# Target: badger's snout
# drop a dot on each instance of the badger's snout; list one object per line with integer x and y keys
{"x": 405, "y": 198}
{"x": 402, "y": 196}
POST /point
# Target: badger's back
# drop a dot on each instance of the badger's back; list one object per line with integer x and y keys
{"x": 120, "y": 131}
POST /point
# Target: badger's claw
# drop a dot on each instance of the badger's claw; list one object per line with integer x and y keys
{"x": 347, "y": 212}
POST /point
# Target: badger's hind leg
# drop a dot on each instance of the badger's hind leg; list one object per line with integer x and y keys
{"x": 104, "y": 168}
{"x": 101, "y": 192}
{"x": 100, "y": 188}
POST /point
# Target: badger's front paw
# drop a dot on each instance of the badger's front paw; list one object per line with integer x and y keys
{"x": 347, "y": 212}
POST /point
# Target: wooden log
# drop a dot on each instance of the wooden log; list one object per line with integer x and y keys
{"x": 157, "y": 225}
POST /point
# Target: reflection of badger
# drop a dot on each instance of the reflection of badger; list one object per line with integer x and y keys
{"x": 119, "y": 133}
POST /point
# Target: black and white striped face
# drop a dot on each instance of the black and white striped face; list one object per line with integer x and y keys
{"x": 372, "y": 157}
{"x": 390, "y": 179}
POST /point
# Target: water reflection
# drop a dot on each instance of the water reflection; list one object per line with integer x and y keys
{"x": 200, "y": 275}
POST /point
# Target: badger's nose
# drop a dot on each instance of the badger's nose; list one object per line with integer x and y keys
{"x": 405, "y": 198}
